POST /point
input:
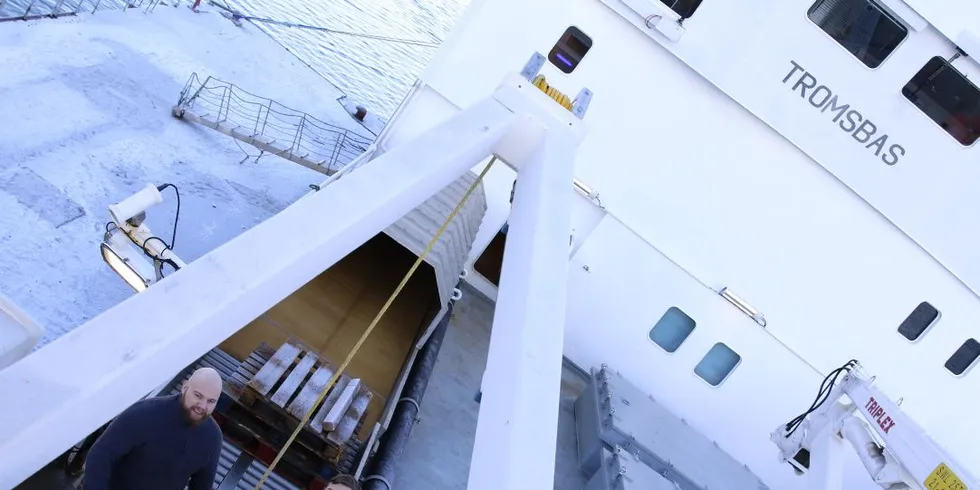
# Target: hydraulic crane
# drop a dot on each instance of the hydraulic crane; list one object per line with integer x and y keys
{"x": 896, "y": 451}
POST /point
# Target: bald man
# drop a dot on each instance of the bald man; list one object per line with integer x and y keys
{"x": 343, "y": 482}
{"x": 163, "y": 443}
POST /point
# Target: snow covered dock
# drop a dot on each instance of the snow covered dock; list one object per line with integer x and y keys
{"x": 86, "y": 104}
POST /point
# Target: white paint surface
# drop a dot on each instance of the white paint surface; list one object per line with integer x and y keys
{"x": 714, "y": 173}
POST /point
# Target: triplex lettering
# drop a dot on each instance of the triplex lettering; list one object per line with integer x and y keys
{"x": 847, "y": 118}
{"x": 879, "y": 415}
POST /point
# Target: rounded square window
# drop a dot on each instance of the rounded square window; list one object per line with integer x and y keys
{"x": 964, "y": 358}
{"x": 717, "y": 364}
{"x": 672, "y": 329}
{"x": 916, "y": 324}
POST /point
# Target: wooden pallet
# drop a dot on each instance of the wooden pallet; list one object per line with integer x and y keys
{"x": 288, "y": 381}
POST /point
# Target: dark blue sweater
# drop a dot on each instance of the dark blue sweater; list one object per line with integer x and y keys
{"x": 151, "y": 446}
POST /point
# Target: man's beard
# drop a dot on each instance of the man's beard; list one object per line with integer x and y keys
{"x": 189, "y": 415}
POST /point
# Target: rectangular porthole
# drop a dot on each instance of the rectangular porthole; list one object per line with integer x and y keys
{"x": 964, "y": 358}
{"x": 922, "y": 317}
{"x": 949, "y": 98}
{"x": 862, "y": 27}
{"x": 683, "y": 8}
{"x": 718, "y": 364}
{"x": 672, "y": 329}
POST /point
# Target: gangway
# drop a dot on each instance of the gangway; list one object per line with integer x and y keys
{"x": 268, "y": 125}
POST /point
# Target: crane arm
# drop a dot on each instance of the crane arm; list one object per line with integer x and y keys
{"x": 896, "y": 451}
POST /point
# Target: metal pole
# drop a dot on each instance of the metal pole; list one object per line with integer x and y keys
{"x": 517, "y": 427}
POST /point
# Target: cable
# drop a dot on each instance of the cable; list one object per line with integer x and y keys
{"x": 147, "y": 252}
{"x": 160, "y": 258}
{"x": 173, "y": 236}
{"x": 370, "y": 327}
{"x": 822, "y": 395}
{"x": 826, "y": 387}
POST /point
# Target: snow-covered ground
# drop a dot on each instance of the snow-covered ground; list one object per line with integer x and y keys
{"x": 86, "y": 122}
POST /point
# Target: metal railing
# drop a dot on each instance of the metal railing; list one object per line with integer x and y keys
{"x": 12, "y": 10}
{"x": 297, "y": 134}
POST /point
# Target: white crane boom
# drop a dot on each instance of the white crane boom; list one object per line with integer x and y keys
{"x": 896, "y": 451}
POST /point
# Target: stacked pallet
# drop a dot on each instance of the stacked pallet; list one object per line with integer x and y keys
{"x": 290, "y": 379}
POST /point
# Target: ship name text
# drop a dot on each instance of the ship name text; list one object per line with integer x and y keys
{"x": 848, "y": 119}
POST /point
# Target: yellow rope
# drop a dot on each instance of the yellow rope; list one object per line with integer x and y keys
{"x": 542, "y": 83}
{"x": 377, "y": 318}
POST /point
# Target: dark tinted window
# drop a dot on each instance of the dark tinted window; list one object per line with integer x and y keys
{"x": 964, "y": 357}
{"x": 948, "y": 98}
{"x": 918, "y": 321}
{"x": 861, "y": 26}
{"x": 684, "y": 8}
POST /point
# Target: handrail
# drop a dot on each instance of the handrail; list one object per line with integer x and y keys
{"x": 13, "y": 10}
{"x": 298, "y": 133}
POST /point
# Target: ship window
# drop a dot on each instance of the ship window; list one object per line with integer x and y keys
{"x": 964, "y": 357}
{"x": 921, "y": 318}
{"x": 717, "y": 364}
{"x": 948, "y": 98}
{"x": 672, "y": 329}
{"x": 683, "y": 8}
{"x": 861, "y": 26}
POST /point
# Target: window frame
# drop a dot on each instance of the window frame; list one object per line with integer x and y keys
{"x": 922, "y": 113}
{"x": 649, "y": 334}
{"x": 728, "y": 375}
{"x": 891, "y": 15}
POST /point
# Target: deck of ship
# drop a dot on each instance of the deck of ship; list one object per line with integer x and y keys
{"x": 439, "y": 449}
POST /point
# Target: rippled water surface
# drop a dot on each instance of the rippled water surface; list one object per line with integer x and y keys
{"x": 372, "y": 72}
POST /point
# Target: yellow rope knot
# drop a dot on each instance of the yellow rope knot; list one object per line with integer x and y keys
{"x": 559, "y": 97}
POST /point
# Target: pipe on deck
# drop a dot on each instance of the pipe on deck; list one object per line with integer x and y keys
{"x": 382, "y": 466}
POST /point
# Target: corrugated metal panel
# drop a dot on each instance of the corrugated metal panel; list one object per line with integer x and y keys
{"x": 254, "y": 472}
{"x": 229, "y": 453}
{"x": 447, "y": 257}
{"x": 661, "y": 440}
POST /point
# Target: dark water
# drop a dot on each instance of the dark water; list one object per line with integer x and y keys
{"x": 372, "y": 72}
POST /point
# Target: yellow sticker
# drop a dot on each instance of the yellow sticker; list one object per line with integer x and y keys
{"x": 943, "y": 478}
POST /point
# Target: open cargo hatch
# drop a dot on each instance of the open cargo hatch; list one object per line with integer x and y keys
{"x": 282, "y": 352}
{"x": 449, "y": 254}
